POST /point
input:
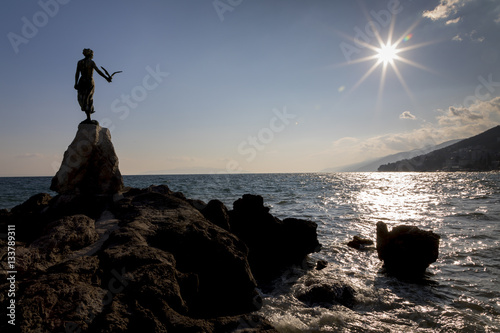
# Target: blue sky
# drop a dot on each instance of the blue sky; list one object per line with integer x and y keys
{"x": 246, "y": 85}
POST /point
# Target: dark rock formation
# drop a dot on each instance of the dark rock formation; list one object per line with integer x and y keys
{"x": 27, "y": 213}
{"x": 273, "y": 244}
{"x": 326, "y": 293}
{"x": 216, "y": 212}
{"x": 148, "y": 262}
{"x": 358, "y": 242}
{"x": 321, "y": 264}
{"x": 407, "y": 251}
{"x": 90, "y": 165}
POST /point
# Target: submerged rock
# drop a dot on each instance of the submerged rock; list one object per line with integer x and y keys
{"x": 320, "y": 292}
{"x": 407, "y": 251}
{"x": 358, "y": 242}
{"x": 321, "y": 264}
{"x": 90, "y": 164}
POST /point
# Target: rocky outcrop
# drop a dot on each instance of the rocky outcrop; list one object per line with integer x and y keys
{"x": 407, "y": 251}
{"x": 146, "y": 261}
{"x": 273, "y": 244}
{"x": 90, "y": 165}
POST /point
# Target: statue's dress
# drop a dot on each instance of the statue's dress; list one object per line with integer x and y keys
{"x": 86, "y": 89}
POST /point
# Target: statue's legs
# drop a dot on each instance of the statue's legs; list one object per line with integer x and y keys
{"x": 86, "y": 97}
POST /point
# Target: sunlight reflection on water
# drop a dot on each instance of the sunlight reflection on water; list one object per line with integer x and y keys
{"x": 461, "y": 291}
{"x": 462, "y": 284}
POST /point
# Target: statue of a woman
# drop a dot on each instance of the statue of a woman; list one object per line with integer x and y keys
{"x": 84, "y": 82}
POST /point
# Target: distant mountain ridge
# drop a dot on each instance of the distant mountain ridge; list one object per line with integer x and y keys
{"x": 373, "y": 165}
{"x": 478, "y": 153}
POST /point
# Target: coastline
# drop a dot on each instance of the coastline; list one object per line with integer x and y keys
{"x": 115, "y": 252}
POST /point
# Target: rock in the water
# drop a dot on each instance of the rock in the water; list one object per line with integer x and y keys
{"x": 321, "y": 264}
{"x": 358, "y": 242}
{"x": 90, "y": 165}
{"x": 407, "y": 251}
{"x": 326, "y": 293}
{"x": 273, "y": 244}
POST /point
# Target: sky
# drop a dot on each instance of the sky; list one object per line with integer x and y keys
{"x": 247, "y": 85}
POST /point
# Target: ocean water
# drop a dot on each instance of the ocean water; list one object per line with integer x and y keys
{"x": 461, "y": 291}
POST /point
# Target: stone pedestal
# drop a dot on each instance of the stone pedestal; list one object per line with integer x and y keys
{"x": 90, "y": 164}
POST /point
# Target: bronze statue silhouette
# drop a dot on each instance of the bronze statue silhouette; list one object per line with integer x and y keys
{"x": 84, "y": 82}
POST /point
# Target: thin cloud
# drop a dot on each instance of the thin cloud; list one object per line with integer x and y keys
{"x": 455, "y": 122}
{"x": 453, "y": 21}
{"x": 445, "y": 9}
{"x": 30, "y": 155}
{"x": 471, "y": 36}
{"x": 407, "y": 115}
{"x": 345, "y": 141}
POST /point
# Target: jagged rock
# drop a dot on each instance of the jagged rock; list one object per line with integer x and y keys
{"x": 273, "y": 244}
{"x": 66, "y": 294}
{"x": 216, "y": 212}
{"x": 321, "y": 264}
{"x": 326, "y": 293}
{"x": 157, "y": 265}
{"x": 90, "y": 165}
{"x": 67, "y": 234}
{"x": 33, "y": 205}
{"x": 198, "y": 204}
{"x": 407, "y": 251}
{"x": 358, "y": 242}
{"x": 28, "y": 215}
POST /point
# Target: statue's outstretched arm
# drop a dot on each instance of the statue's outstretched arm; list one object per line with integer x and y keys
{"x": 108, "y": 78}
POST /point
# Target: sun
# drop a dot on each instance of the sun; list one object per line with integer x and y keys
{"x": 387, "y": 53}
{"x": 387, "y": 56}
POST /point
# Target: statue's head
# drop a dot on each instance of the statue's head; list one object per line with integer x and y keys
{"x": 88, "y": 53}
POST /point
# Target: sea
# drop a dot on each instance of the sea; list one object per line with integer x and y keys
{"x": 460, "y": 292}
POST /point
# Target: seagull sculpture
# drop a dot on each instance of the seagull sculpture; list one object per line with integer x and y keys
{"x": 111, "y": 76}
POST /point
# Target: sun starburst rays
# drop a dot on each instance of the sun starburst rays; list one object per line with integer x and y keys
{"x": 387, "y": 55}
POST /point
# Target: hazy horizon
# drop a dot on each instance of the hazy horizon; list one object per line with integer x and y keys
{"x": 255, "y": 86}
